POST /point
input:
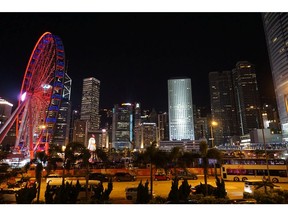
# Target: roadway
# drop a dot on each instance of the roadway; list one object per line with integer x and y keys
{"x": 162, "y": 188}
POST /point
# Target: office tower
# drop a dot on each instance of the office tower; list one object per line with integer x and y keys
{"x": 75, "y": 115}
{"x": 122, "y": 126}
{"x": 163, "y": 126}
{"x": 80, "y": 132}
{"x": 270, "y": 118}
{"x": 137, "y": 126}
{"x": 200, "y": 123}
{"x": 276, "y": 31}
{"x": 223, "y": 110}
{"x": 106, "y": 118}
{"x": 246, "y": 97}
{"x": 62, "y": 126}
{"x": 90, "y": 103}
{"x": 181, "y": 125}
{"x": 149, "y": 134}
{"x": 5, "y": 111}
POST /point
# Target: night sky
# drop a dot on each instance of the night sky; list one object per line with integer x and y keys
{"x": 134, "y": 54}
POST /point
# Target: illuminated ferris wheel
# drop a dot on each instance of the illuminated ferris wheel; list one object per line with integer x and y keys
{"x": 40, "y": 97}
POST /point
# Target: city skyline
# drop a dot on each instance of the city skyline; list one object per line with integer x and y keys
{"x": 134, "y": 54}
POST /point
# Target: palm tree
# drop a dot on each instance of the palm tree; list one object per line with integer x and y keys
{"x": 206, "y": 153}
{"x": 214, "y": 153}
{"x": 70, "y": 157}
{"x": 187, "y": 159}
{"x": 150, "y": 155}
{"x": 174, "y": 155}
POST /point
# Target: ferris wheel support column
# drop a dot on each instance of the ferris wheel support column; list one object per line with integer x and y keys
{"x": 30, "y": 133}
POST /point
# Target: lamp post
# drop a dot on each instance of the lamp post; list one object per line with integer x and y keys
{"x": 266, "y": 156}
{"x": 213, "y": 123}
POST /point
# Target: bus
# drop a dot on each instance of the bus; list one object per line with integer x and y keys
{"x": 242, "y": 169}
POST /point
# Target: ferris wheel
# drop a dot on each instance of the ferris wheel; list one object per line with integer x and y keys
{"x": 40, "y": 97}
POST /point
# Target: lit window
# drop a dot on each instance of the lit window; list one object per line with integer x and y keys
{"x": 274, "y": 39}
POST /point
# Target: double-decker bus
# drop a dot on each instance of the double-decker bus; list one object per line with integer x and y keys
{"x": 240, "y": 169}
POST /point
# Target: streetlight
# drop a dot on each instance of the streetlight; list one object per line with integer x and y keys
{"x": 213, "y": 123}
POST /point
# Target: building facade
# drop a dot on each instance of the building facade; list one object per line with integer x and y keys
{"x": 276, "y": 32}
{"x": 62, "y": 126}
{"x": 163, "y": 126}
{"x": 247, "y": 97}
{"x": 90, "y": 103}
{"x": 123, "y": 126}
{"x": 5, "y": 111}
{"x": 180, "y": 106}
{"x": 223, "y": 109}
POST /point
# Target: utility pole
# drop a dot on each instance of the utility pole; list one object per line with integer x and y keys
{"x": 266, "y": 156}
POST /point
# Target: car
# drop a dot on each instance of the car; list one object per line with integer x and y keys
{"x": 99, "y": 176}
{"x": 124, "y": 176}
{"x": 52, "y": 177}
{"x": 131, "y": 193}
{"x": 161, "y": 177}
{"x": 185, "y": 175}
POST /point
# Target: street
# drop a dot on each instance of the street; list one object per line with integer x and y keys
{"x": 162, "y": 188}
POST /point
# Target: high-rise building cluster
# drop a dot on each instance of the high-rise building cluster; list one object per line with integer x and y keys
{"x": 236, "y": 110}
{"x": 276, "y": 32}
{"x": 235, "y": 102}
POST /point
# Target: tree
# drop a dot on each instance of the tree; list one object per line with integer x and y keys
{"x": 221, "y": 190}
{"x": 187, "y": 159}
{"x": 174, "y": 155}
{"x": 214, "y": 153}
{"x": 143, "y": 196}
{"x": 173, "y": 195}
{"x": 184, "y": 190}
{"x": 206, "y": 153}
{"x": 26, "y": 195}
{"x": 71, "y": 151}
{"x": 150, "y": 155}
{"x": 101, "y": 195}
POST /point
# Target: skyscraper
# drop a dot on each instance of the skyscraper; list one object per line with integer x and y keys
{"x": 122, "y": 126}
{"x": 5, "y": 111}
{"x": 90, "y": 103}
{"x": 181, "y": 125}
{"x": 276, "y": 31}
{"x": 247, "y": 97}
{"x": 223, "y": 108}
{"x": 62, "y": 126}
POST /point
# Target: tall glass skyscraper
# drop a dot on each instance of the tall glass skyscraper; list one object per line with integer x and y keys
{"x": 180, "y": 106}
{"x": 90, "y": 103}
{"x": 246, "y": 97}
{"x": 276, "y": 31}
